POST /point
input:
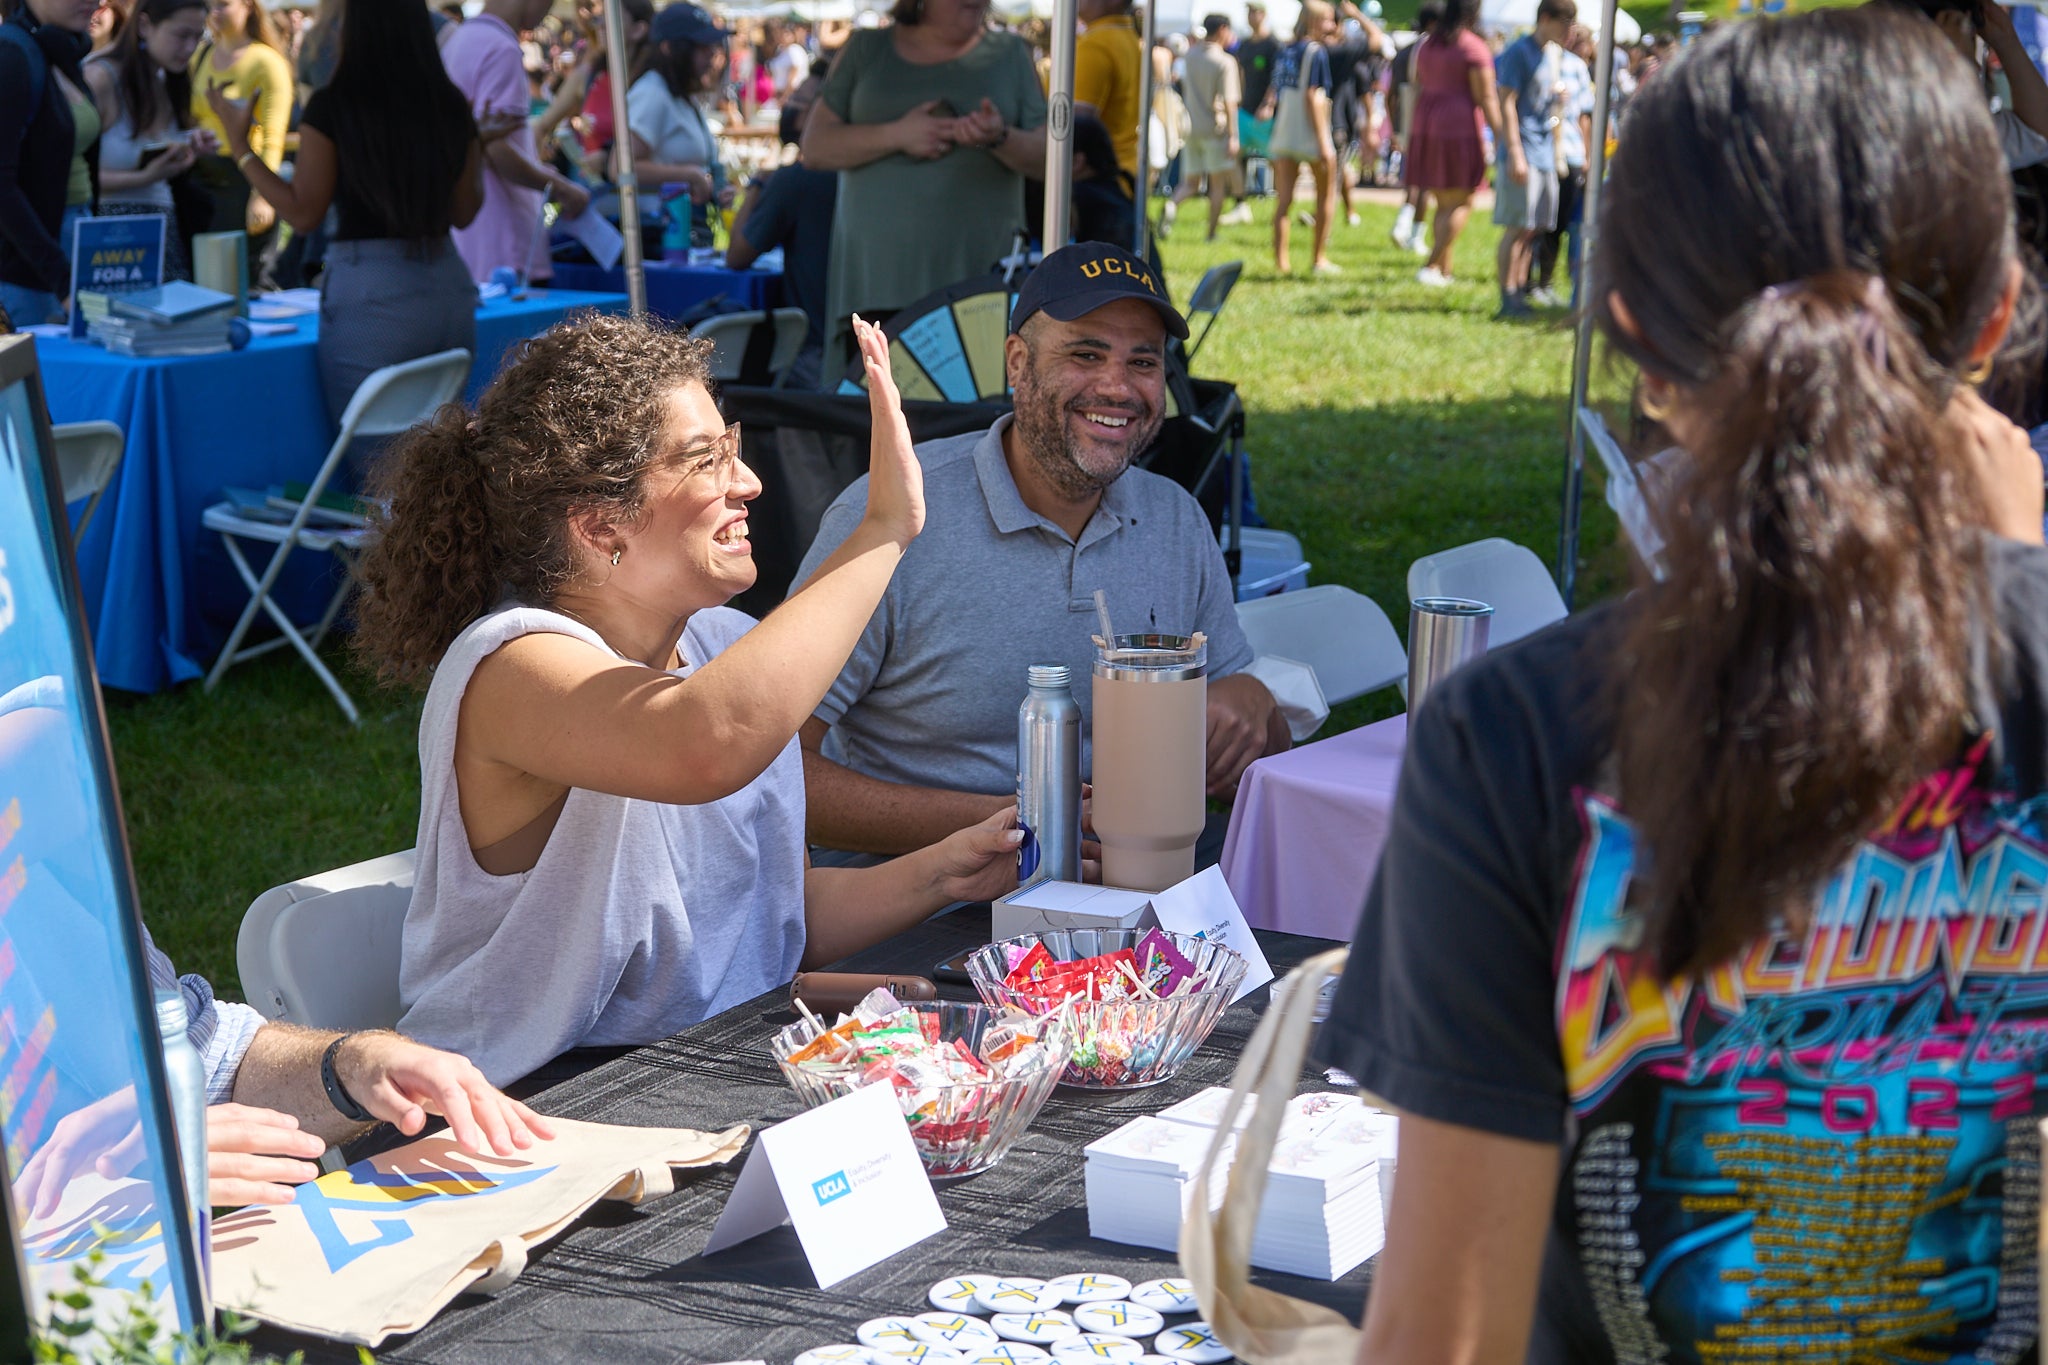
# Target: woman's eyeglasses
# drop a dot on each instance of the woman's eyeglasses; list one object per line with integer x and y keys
{"x": 716, "y": 461}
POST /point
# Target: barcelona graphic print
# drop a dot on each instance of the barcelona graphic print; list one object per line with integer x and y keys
{"x": 1824, "y": 1149}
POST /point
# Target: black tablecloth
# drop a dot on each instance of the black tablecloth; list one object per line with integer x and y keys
{"x": 631, "y": 1284}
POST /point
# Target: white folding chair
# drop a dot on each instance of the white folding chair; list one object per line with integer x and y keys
{"x": 323, "y": 952}
{"x": 88, "y": 453}
{"x": 729, "y": 333}
{"x": 1506, "y": 576}
{"x": 390, "y": 401}
{"x": 1342, "y": 635}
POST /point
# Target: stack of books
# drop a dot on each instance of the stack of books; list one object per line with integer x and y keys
{"x": 176, "y": 319}
{"x": 1323, "y": 1210}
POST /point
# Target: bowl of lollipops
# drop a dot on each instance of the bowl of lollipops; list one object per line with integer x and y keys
{"x": 1142, "y": 1000}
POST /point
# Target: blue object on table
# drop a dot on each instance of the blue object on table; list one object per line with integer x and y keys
{"x": 673, "y": 290}
{"x": 159, "y": 591}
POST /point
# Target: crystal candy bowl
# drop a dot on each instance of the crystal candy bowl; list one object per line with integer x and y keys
{"x": 966, "y": 1126}
{"x": 1120, "y": 1044}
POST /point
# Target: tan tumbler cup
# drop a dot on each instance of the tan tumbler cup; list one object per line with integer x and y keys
{"x": 1151, "y": 742}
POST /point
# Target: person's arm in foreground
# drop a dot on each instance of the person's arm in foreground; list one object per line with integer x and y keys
{"x": 281, "y": 1109}
{"x": 304, "y": 199}
{"x": 847, "y": 909}
{"x": 2029, "y": 89}
{"x": 1456, "y": 1284}
{"x": 849, "y": 810}
{"x": 629, "y": 731}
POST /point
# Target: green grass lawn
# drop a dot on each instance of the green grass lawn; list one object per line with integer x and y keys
{"x": 1386, "y": 420}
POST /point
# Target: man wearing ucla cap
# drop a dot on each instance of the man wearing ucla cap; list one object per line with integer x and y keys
{"x": 484, "y": 61}
{"x": 1024, "y": 522}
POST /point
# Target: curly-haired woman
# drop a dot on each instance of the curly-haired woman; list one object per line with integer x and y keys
{"x": 612, "y": 814}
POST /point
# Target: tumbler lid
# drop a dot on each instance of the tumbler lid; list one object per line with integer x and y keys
{"x": 1153, "y": 657}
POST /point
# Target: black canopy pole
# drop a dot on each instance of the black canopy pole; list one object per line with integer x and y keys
{"x": 1582, "y": 346}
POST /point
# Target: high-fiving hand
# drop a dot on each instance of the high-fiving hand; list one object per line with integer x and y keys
{"x": 895, "y": 479}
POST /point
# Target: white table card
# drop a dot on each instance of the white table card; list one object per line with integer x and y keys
{"x": 1202, "y": 905}
{"x": 846, "y": 1175}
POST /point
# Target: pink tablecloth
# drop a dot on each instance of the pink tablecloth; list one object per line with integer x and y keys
{"x": 1308, "y": 828}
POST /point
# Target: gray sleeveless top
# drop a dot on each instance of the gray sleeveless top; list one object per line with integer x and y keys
{"x": 639, "y": 919}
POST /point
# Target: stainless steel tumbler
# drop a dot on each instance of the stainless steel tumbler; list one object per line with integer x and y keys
{"x": 1443, "y": 632}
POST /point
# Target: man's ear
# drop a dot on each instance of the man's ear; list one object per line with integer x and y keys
{"x": 1016, "y": 357}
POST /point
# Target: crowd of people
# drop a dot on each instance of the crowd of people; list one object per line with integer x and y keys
{"x": 1680, "y": 1092}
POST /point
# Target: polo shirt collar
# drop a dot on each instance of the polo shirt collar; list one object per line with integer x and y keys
{"x": 1006, "y": 505}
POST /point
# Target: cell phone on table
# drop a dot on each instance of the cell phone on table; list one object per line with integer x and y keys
{"x": 953, "y": 970}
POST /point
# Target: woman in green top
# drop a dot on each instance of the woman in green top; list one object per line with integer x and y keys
{"x": 932, "y": 124}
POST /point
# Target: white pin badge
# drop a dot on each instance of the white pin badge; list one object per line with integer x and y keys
{"x": 1011, "y": 1353}
{"x": 888, "y": 1333}
{"x": 1192, "y": 1342}
{"x": 1040, "y": 1328}
{"x": 955, "y": 1331}
{"x": 842, "y": 1354}
{"x": 1120, "y": 1319}
{"x": 1091, "y": 1287}
{"x": 957, "y": 1294}
{"x": 1166, "y": 1296}
{"x": 1097, "y": 1348}
{"x": 1016, "y": 1295}
{"x": 922, "y": 1353}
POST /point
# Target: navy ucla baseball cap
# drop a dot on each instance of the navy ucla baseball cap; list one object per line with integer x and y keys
{"x": 1078, "y": 279}
{"x": 686, "y": 23}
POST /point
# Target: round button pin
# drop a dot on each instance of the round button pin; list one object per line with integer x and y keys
{"x": 1119, "y": 1318}
{"x": 1098, "y": 1348}
{"x": 1010, "y": 1353}
{"x": 1192, "y": 1342}
{"x": 1166, "y": 1296}
{"x": 922, "y": 1353}
{"x": 888, "y": 1333}
{"x": 955, "y": 1331}
{"x": 1091, "y": 1287}
{"x": 1040, "y": 1327}
{"x": 957, "y": 1294}
{"x": 1017, "y": 1295}
{"x": 838, "y": 1354}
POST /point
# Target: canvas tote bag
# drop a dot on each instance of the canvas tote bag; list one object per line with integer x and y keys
{"x": 1263, "y": 1327}
{"x": 379, "y": 1248}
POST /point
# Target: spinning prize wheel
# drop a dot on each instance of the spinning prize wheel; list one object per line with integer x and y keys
{"x": 948, "y": 348}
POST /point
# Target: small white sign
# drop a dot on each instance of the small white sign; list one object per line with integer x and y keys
{"x": 846, "y": 1175}
{"x": 1202, "y": 906}
{"x": 599, "y": 237}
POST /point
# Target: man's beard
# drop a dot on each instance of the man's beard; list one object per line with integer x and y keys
{"x": 1041, "y": 427}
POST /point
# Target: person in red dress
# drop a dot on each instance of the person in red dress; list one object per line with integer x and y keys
{"x": 1455, "y": 102}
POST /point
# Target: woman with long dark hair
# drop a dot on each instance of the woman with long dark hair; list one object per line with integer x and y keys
{"x": 391, "y": 141}
{"x": 672, "y": 137}
{"x": 143, "y": 88}
{"x": 1707, "y": 948}
{"x": 1455, "y": 103}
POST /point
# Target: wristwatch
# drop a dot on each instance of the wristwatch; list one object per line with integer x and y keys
{"x": 337, "y": 1094}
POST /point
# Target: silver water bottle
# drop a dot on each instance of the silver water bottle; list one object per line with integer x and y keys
{"x": 187, "y": 1075}
{"x": 1049, "y": 778}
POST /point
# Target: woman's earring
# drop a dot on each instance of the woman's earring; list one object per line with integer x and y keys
{"x": 1656, "y": 409}
{"x": 1978, "y": 373}
{"x": 616, "y": 552}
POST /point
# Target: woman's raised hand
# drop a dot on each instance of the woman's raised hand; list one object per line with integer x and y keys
{"x": 895, "y": 479}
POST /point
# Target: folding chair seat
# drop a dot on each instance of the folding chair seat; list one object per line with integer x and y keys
{"x": 88, "y": 453}
{"x": 731, "y": 334}
{"x": 390, "y": 401}
{"x": 1506, "y": 576}
{"x": 1341, "y": 634}
{"x": 323, "y": 951}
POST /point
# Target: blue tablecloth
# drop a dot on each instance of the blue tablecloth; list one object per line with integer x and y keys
{"x": 159, "y": 590}
{"x": 673, "y": 290}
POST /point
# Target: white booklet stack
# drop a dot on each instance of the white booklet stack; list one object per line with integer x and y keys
{"x": 1323, "y": 1211}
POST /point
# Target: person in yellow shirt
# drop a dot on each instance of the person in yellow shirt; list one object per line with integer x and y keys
{"x": 1106, "y": 74}
{"x": 244, "y": 61}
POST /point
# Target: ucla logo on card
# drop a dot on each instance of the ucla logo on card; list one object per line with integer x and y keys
{"x": 833, "y": 1186}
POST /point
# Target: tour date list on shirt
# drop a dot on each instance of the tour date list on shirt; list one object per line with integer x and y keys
{"x": 1825, "y": 1149}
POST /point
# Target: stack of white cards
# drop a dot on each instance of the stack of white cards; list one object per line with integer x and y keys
{"x": 1323, "y": 1211}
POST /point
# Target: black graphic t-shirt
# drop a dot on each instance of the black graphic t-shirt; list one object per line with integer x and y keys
{"x": 1823, "y": 1150}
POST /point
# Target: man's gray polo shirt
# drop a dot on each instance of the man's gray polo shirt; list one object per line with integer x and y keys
{"x": 930, "y": 696}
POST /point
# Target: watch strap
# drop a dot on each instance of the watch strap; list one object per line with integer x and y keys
{"x": 337, "y": 1094}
